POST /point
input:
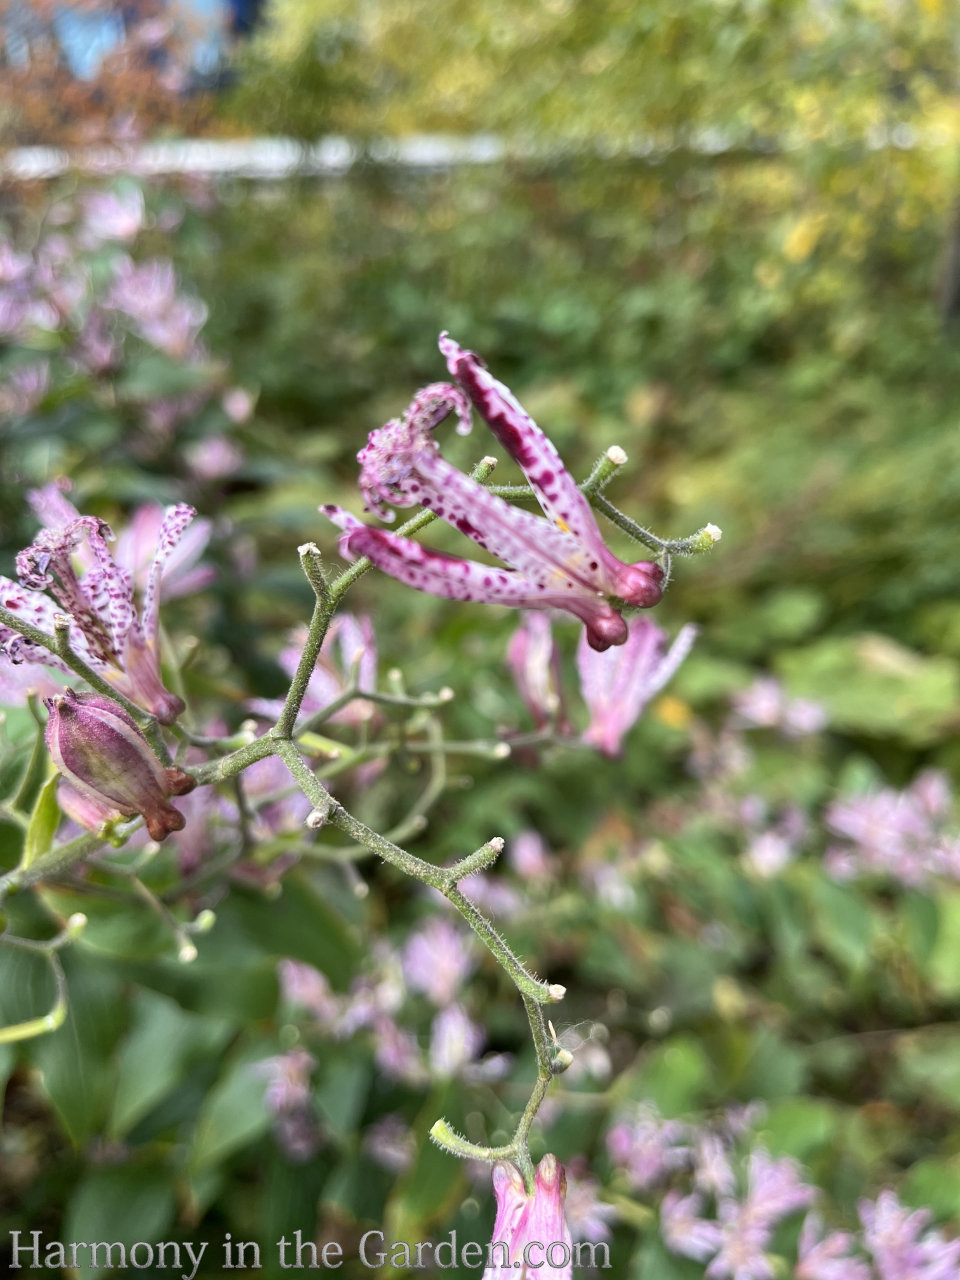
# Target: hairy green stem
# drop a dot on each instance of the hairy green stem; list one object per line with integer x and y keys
{"x": 316, "y": 633}
{"x": 49, "y": 864}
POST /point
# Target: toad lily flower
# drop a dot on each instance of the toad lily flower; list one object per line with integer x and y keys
{"x": 530, "y": 1235}
{"x": 105, "y": 629}
{"x": 557, "y": 563}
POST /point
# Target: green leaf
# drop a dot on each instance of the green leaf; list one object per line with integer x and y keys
{"x": 432, "y": 1186}
{"x": 157, "y": 1054}
{"x": 798, "y": 1127}
{"x": 933, "y": 1184}
{"x": 44, "y": 821}
{"x": 76, "y": 1062}
{"x": 343, "y": 1092}
{"x": 655, "y": 1262}
{"x": 943, "y": 963}
{"x": 234, "y": 1113}
{"x": 841, "y": 922}
{"x": 121, "y": 928}
{"x": 929, "y": 1063}
{"x": 125, "y": 1205}
{"x": 674, "y": 1076}
{"x": 870, "y": 684}
{"x": 299, "y": 924}
{"x": 34, "y": 773}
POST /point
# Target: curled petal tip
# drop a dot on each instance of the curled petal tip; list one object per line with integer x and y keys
{"x": 640, "y": 584}
{"x": 606, "y": 630}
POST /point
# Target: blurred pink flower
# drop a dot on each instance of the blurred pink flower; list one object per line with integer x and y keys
{"x": 214, "y": 458}
{"x": 307, "y": 988}
{"x": 148, "y": 293}
{"x": 618, "y": 684}
{"x": 901, "y": 1246}
{"x": 455, "y": 1041}
{"x": 110, "y": 215}
{"x": 391, "y": 1143}
{"x": 684, "y": 1230}
{"x": 237, "y": 404}
{"x": 903, "y": 835}
{"x": 348, "y": 656}
{"x": 588, "y": 1217}
{"x": 765, "y": 705}
{"x": 287, "y": 1098}
{"x": 528, "y": 855}
{"x": 534, "y": 662}
{"x": 648, "y": 1147}
{"x": 25, "y": 388}
{"x": 827, "y": 1257}
{"x": 437, "y": 960}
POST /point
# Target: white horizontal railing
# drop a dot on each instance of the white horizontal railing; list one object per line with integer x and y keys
{"x": 283, "y": 157}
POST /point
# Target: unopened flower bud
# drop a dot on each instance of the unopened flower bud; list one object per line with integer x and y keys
{"x": 110, "y": 765}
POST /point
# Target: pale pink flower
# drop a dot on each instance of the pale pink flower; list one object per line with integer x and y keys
{"x": 215, "y": 458}
{"x": 528, "y": 855}
{"x": 307, "y": 988}
{"x": 237, "y": 404}
{"x": 113, "y": 215}
{"x": 437, "y": 960}
{"x": 827, "y": 1257}
{"x": 455, "y": 1041}
{"x": 617, "y": 684}
{"x": 348, "y": 659}
{"x": 391, "y": 1143}
{"x": 530, "y": 1229}
{"x": 149, "y": 294}
{"x": 648, "y": 1147}
{"x": 901, "y": 1246}
{"x": 588, "y": 1217}
{"x": 684, "y": 1230}
{"x": 768, "y": 854}
{"x": 534, "y": 662}
{"x": 287, "y": 1098}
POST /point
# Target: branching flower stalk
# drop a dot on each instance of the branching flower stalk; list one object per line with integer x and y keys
{"x": 578, "y": 541}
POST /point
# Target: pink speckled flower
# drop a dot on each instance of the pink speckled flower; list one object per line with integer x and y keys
{"x": 98, "y": 595}
{"x": 618, "y": 684}
{"x": 557, "y": 563}
{"x": 530, "y": 1229}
